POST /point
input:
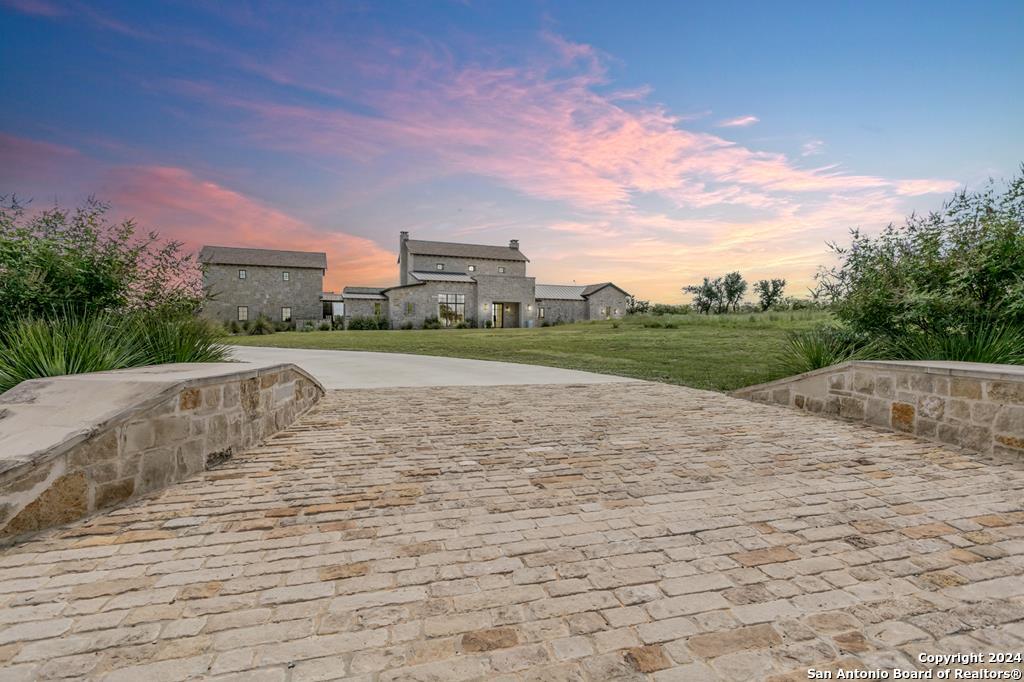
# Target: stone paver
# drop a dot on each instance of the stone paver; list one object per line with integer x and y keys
{"x": 597, "y": 532}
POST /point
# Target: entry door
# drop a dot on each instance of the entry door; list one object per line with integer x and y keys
{"x": 497, "y": 316}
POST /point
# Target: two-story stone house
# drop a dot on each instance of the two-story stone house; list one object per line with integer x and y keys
{"x": 244, "y": 284}
{"x": 477, "y": 284}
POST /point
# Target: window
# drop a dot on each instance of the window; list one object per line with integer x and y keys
{"x": 501, "y": 269}
{"x": 241, "y": 274}
{"x": 541, "y": 312}
{"x": 377, "y": 309}
{"x": 243, "y": 311}
{"x": 440, "y": 266}
{"x": 471, "y": 268}
{"x": 286, "y": 314}
{"x": 451, "y": 309}
{"x": 410, "y": 307}
{"x": 286, "y": 276}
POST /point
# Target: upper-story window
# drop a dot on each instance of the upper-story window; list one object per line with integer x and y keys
{"x": 286, "y": 276}
{"x": 440, "y": 266}
{"x": 501, "y": 269}
{"x": 471, "y": 268}
{"x": 241, "y": 274}
{"x": 243, "y": 313}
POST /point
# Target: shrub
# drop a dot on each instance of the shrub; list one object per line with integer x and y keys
{"x": 73, "y": 343}
{"x": 431, "y": 323}
{"x": 283, "y": 326}
{"x": 234, "y": 327}
{"x": 994, "y": 342}
{"x": 665, "y": 309}
{"x": 545, "y": 323}
{"x": 325, "y": 326}
{"x": 338, "y": 322}
{"x": 653, "y": 324}
{"x": 935, "y": 274}
{"x": 364, "y": 323}
{"x": 261, "y": 325}
{"x": 56, "y": 262}
{"x": 173, "y": 336}
{"x": 407, "y": 325}
{"x": 636, "y": 306}
{"x": 462, "y": 325}
{"x": 821, "y": 347}
{"x": 489, "y": 323}
{"x": 615, "y": 325}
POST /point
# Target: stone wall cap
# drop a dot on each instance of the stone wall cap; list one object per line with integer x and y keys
{"x": 42, "y": 418}
{"x": 978, "y": 370}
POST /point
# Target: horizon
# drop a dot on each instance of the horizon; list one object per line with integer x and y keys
{"x": 648, "y": 149}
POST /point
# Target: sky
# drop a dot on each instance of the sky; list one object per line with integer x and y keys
{"x": 649, "y": 144}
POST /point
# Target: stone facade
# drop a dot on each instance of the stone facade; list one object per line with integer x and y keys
{"x": 972, "y": 405}
{"x": 486, "y": 276}
{"x": 606, "y": 303}
{"x": 558, "y": 311}
{"x": 182, "y": 429}
{"x": 271, "y": 283}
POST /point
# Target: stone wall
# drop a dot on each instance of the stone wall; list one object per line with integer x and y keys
{"x": 976, "y": 406}
{"x": 264, "y": 292}
{"x": 560, "y": 310}
{"x": 611, "y": 300}
{"x": 70, "y": 446}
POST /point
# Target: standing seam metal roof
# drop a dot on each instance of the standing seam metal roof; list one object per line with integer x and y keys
{"x": 420, "y": 247}
{"x": 231, "y": 255}
{"x": 442, "y": 276}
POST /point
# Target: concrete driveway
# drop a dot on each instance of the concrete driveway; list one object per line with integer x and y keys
{"x": 356, "y": 369}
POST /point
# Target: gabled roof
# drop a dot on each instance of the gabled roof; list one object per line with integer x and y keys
{"x": 562, "y": 292}
{"x": 571, "y": 292}
{"x": 420, "y": 247}
{"x": 593, "y": 288}
{"x": 441, "y": 276}
{"x": 233, "y": 255}
{"x": 365, "y": 293}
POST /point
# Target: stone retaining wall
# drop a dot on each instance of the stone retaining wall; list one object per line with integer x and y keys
{"x": 72, "y": 445}
{"x": 979, "y": 407}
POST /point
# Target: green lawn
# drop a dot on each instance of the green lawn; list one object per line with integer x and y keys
{"x": 719, "y": 352}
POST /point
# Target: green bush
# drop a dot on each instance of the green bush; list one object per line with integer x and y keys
{"x": 935, "y": 274}
{"x": 262, "y": 325}
{"x": 325, "y": 326}
{"x": 824, "y": 346}
{"x": 164, "y": 337}
{"x": 367, "y": 322}
{"x": 59, "y": 261}
{"x": 489, "y": 323}
{"x": 431, "y": 323}
{"x": 407, "y": 325}
{"x": 980, "y": 342}
{"x": 234, "y": 327}
{"x": 72, "y": 343}
{"x": 665, "y": 309}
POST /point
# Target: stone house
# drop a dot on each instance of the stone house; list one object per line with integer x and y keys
{"x": 243, "y": 284}
{"x": 477, "y": 284}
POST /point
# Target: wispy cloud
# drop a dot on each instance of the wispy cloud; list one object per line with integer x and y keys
{"x": 739, "y": 122}
{"x": 812, "y": 147}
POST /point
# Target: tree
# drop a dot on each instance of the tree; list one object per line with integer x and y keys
{"x": 769, "y": 291}
{"x": 77, "y": 261}
{"x": 636, "y": 306}
{"x": 706, "y": 295}
{"x": 944, "y": 273}
{"x": 734, "y": 286}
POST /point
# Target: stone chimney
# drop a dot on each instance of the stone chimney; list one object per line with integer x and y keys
{"x": 513, "y": 244}
{"x": 403, "y": 258}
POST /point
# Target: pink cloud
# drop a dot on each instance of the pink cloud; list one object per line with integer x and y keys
{"x": 739, "y": 122}
{"x": 39, "y": 8}
{"x": 182, "y": 206}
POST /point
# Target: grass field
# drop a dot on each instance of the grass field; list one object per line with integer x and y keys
{"x": 719, "y": 352}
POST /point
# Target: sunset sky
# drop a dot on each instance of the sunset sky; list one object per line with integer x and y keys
{"x": 645, "y": 143}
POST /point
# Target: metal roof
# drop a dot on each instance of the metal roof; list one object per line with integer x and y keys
{"x": 420, "y": 247}
{"x": 331, "y": 296}
{"x": 232, "y": 255}
{"x": 365, "y": 293}
{"x": 441, "y": 276}
{"x": 563, "y": 292}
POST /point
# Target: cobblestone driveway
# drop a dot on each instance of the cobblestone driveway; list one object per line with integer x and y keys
{"x": 534, "y": 532}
